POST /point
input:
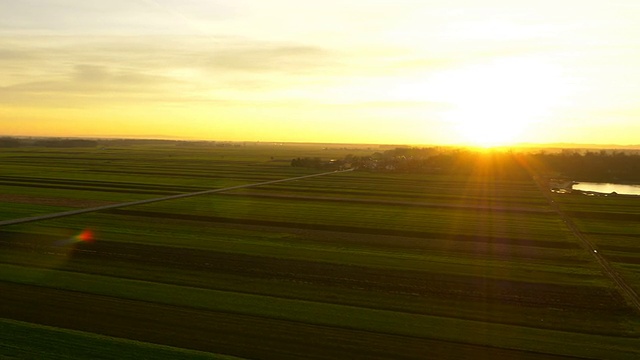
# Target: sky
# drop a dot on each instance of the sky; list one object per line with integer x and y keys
{"x": 485, "y": 72}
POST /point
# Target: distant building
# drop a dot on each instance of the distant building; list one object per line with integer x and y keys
{"x": 561, "y": 185}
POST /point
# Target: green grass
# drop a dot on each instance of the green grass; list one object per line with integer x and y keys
{"x": 610, "y": 223}
{"x": 440, "y": 255}
{"x": 21, "y": 340}
{"x": 393, "y": 217}
{"x": 363, "y": 228}
{"x": 449, "y": 329}
{"x": 12, "y": 210}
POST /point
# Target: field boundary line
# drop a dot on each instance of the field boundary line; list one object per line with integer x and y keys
{"x": 402, "y": 203}
{"x": 164, "y": 198}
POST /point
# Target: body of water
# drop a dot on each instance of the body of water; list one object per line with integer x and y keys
{"x": 608, "y": 188}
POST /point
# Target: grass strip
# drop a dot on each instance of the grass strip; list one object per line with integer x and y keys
{"x": 22, "y": 340}
{"x": 379, "y": 321}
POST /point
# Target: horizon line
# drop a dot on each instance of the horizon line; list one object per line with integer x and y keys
{"x": 188, "y": 139}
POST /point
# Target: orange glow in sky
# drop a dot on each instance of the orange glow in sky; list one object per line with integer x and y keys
{"x": 418, "y": 72}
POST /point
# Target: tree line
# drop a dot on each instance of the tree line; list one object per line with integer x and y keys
{"x": 600, "y": 166}
{"x": 8, "y": 142}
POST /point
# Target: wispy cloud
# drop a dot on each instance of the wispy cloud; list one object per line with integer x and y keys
{"x": 146, "y": 67}
{"x": 267, "y": 57}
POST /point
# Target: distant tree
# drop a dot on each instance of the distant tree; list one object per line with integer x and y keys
{"x": 307, "y": 162}
{"x": 66, "y": 143}
{"x": 9, "y": 142}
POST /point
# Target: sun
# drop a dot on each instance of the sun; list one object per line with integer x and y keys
{"x": 486, "y": 134}
{"x": 499, "y": 103}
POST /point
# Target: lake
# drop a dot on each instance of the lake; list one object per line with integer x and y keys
{"x": 607, "y": 188}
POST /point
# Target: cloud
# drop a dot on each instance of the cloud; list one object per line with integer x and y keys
{"x": 87, "y": 85}
{"x": 166, "y": 52}
{"x": 49, "y": 70}
{"x": 267, "y": 57}
{"x": 94, "y": 78}
{"x": 8, "y": 55}
{"x": 97, "y": 77}
{"x": 89, "y": 17}
{"x": 85, "y": 71}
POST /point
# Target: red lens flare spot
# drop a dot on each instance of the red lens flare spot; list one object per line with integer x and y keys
{"x": 86, "y": 235}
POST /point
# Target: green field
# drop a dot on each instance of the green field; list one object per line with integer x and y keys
{"x": 347, "y": 265}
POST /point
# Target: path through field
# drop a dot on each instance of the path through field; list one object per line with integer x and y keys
{"x": 148, "y": 201}
{"x": 625, "y": 289}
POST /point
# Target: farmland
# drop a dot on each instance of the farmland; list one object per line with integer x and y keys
{"x": 347, "y": 265}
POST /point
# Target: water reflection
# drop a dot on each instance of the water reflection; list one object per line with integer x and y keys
{"x": 608, "y": 188}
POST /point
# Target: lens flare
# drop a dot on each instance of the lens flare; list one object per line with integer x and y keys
{"x": 86, "y": 235}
